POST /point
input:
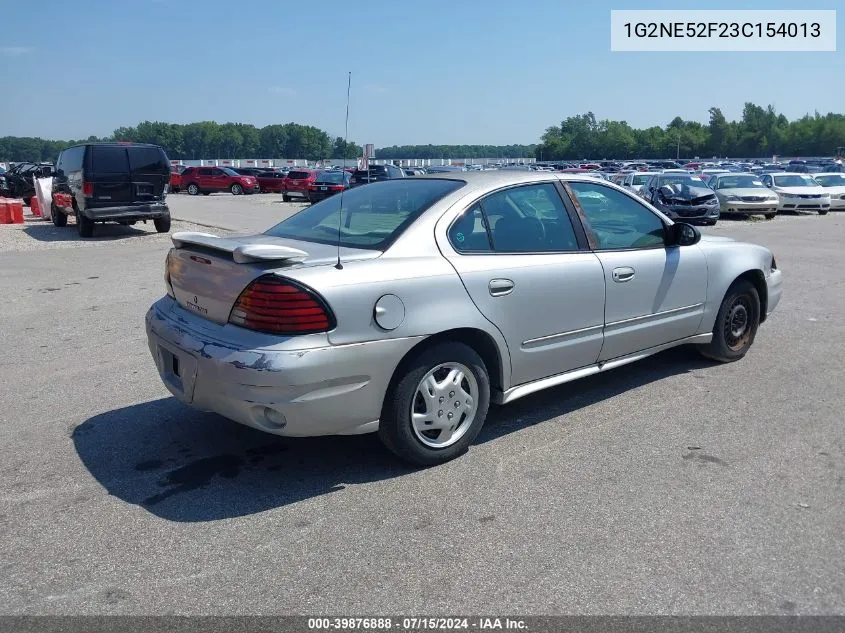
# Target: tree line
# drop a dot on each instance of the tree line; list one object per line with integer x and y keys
{"x": 760, "y": 132}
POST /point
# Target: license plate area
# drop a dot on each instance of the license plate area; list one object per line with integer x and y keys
{"x": 144, "y": 190}
{"x": 178, "y": 371}
{"x": 324, "y": 188}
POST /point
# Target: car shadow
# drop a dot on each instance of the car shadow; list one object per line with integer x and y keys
{"x": 188, "y": 466}
{"x": 48, "y": 232}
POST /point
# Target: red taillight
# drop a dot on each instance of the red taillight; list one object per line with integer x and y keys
{"x": 280, "y": 306}
{"x": 87, "y": 189}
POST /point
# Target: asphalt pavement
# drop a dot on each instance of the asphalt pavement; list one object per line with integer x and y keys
{"x": 672, "y": 486}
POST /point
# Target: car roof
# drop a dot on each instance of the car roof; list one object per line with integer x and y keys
{"x": 827, "y": 173}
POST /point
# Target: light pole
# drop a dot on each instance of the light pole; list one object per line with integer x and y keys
{"x": 678, "y": 155}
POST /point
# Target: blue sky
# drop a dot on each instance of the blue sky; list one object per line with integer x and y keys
{"x": 466, "y": 71}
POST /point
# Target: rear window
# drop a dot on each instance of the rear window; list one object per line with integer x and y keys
{"x": 372, "y": 217}
{"x": 148, "y": 160}
{"x": 109, "y": 159}
{"x": 297, "y": 175}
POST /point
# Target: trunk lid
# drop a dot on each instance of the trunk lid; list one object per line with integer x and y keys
{"x": 208, "y": 273}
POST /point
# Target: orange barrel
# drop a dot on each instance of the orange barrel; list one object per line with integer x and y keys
{"x": 5, "y": 212}
{"x": 33, "y": 206}
{"x": 16, "y": 209}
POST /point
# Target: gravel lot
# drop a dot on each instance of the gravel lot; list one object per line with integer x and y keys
{"x": 671, "y": 486}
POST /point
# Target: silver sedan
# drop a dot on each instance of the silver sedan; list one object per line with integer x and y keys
{"x": 406, "y": 307}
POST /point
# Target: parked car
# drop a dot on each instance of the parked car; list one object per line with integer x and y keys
{"x": 208, "y": 180}
{"x": 745, "y": 194}
{"x": 297, "y": 183}
{"x": 798, "y": 192}
{"x": 683, "y": 197}
{"x": 834, "y": 184}
{"x": 111, "y": 182}
{"x": 635, "y": 180}
{"x": 377, "y": 173}
{"x": 17, "y": 182}
{"x": 454, "y": 291}
{"x": 328, "y": 183}
{"x": 176, "y": 178}
{"x": 270, "y": 180}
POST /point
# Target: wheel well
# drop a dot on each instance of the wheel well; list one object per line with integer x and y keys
{"x": 756, "y": 278}
{"x": 478, "y": 340}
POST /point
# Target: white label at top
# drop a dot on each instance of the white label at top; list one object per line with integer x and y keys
{"x": 723, "y": 30}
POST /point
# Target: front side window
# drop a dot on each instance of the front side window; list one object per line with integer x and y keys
{"x": 618, "y": 221}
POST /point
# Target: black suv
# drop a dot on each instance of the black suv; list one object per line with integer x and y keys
{"x": 375, "y": 173}
{"x": 118, "y": 182}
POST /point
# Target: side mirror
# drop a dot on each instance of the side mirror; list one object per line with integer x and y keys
{"x": 681, "y": 234}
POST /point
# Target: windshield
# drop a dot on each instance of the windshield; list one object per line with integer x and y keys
{"x": 739, "y": 182}
{"x": 831, "y": 180}
{"x": 371, "y": 217}
{"x": 332, "y": 177}
{"x": 794, "y": 180}
{"x": 680, "y": 179}
{"x": 639, "y": 180}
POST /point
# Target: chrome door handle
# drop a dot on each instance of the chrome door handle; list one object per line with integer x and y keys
{"x": 621, "y": 275}
{"x": 500, "y": 287}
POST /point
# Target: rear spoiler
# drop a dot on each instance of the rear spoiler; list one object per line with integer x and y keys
{"x": 241, "y": 253}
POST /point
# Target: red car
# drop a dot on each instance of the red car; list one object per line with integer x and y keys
{"x": 206, "y": 180}
{"x": 176, "y": 178}
{"x": 297, "y": 183}
{"x": 271, "y": 181}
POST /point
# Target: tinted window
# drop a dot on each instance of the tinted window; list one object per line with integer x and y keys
{"x": 529, "y": 219}
{"x": 616, "y": 220}
{"x": 204, "y": 172}
{"x": 148, "y": 159}
{"x": 109, "y": 159}
{"x": 371, "y": 217}
{"x": 332, "y": 177}
{"x": 297, "y": 175}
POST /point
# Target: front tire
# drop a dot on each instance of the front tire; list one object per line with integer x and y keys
{"x": 436, "y": 405}
{"x": 162, "y": 224}
{"x": 193, "y": 189}
{"x": 236, "y": 189}
{"x": 823, "y": 211}
{"x": 769, "y": 216}
{"x": 285, "y": 197}
{"x": 736, "y": 324}
{"x": 58, "y": 217}
{"x": 84, "y": 225}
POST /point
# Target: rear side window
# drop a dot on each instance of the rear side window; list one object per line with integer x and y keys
{"x": 148, "y": 160}
{"x": 109, "y": 159}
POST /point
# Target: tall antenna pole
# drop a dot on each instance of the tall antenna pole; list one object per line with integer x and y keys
{"x": 339, "y": 266}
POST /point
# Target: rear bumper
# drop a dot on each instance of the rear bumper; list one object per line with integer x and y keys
{"x": 132, "y": 212}
{"x": 323, "y": 390}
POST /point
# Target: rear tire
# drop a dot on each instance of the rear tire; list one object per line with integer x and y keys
{"x": 193, "y": 189}
{"x": 58, "y": 217}
{"x": 736, "y": 324}
{"x": 285, "y": 197}
{"x": 236, "y": 189}
{"x": 162, "y": 224}
{"x": 414, "y": 426}
{"x": 84, "y": 225}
